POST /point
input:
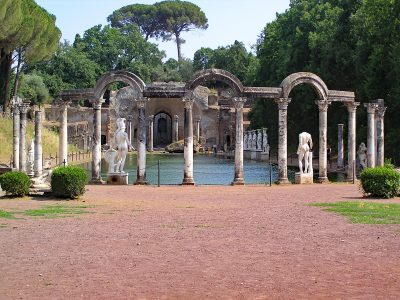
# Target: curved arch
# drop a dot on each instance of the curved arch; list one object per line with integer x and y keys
{"x": 219, "y": 75}
{"x": 123, "y": 76}
{"x": 304, "y": 77}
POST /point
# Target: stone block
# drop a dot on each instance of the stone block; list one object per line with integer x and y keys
{"x": 303, "y": 178}
{"x": 117, "y": 178}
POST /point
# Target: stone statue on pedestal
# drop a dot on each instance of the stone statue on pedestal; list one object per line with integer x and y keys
{"x": 259, "y": 140}
{"x": 254, "y": 140}
{"x": 265, "y": 146}
{"x": 305, "y": 146}
{"x": 31, "y": 159}
{"x": 362, "y": 156}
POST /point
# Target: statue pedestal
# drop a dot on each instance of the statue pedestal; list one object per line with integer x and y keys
{"x": 303, "y": 178}
{"x": 117, "y": 178}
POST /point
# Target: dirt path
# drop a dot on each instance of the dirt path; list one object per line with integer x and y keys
{"x": 197, "y": 243}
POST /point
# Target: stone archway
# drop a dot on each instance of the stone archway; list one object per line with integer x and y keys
{"x": 162, "y": 130}
{"x": 295, "y": 79}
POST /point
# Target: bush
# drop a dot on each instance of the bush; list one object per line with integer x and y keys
{"x": 380, "y": 182}
{"x": 68, "y": 182}
{"x": 15, "y": 183}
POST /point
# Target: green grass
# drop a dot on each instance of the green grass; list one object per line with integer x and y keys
{"x": 365, "y": 212}
{"x": 6, "y": 215}
{"x": 57, "y": 211}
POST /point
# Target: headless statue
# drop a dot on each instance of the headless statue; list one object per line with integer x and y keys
{"x": 305, "y": 146}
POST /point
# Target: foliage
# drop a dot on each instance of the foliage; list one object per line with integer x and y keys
{"x": 52, "y": 211}
{"x": 68, "y": 182}
{"x": 15, "y": 183}
{"x": 380, "y": 182}
{"x": 365, "y": 212}
{"x": 6, "y": 214}
{"x": 164, "y": 19}
{"x": 233, "y": 58}
{"x": 120, "y": 49}
{"x": 33, "y": 88}
{"x": 32, "y": 37}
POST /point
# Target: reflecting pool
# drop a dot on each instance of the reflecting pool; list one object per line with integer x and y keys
{"x": 208, "y": 170}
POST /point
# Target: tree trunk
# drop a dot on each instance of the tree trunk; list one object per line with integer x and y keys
{"x": 5, "y": 74}
{"x": 18, "y": 73}
{"x": 178, "y": 46}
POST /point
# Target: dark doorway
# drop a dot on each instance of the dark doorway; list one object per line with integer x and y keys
{"x": 162, "y": 130}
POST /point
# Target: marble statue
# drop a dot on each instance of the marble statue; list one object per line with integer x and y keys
{"x": 265, "y": 146}
{"x": 362, "y": 156}
{"x": 254, "y": 140}
{"x": 122, "y": 144}
{"x": 259, "y": 140}
{"x": 305, "y": 146}
{"x": 245, "y": 140}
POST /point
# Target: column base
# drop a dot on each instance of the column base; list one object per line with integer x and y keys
{"x": 323, "y": 180}
{"x": 350, "y": 180}
{"x": 283, "y": 181}
{"x": 141, "y": 182}
{"x": 188, "y": 181}
{"x": 238, "y": 181}
{"x": 97, "y": 181}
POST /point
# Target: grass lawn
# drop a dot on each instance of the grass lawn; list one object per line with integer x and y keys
{"x": 49, "y": 211}
{"x": 365, "y": 212}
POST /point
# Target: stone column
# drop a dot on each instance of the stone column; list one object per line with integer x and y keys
{"x": 380, "y": 128}
{"x": 282, "y": 143}
{"x": 63, "y": 137}
{"x": 176, "y": 128}
{"x": 38, "y": 167}
{"x": 351, "y": 143}
{"x": 141, "y": 142}
{"x": 340, "y": 157}
{"x": 323, "y": 129}
{"x": 96, "y": 143}
{"x": 129, "y": 128}
{"x": 198, "y": 130}
{"x": 22, "y": 139}
{"x": 16, "y": 135}
{"x": 239, "y": 174}
{"x": 371, "y": 110}
{"x": 188, "y": 143}
{"x": 151, "y": 133}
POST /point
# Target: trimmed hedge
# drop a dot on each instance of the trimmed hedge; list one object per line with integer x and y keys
{"x": 68, "y": 182}
{"x": 380, "y": 182}
{"x": 15, "y": 183}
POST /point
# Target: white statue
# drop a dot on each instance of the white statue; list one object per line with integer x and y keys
{"x": 362, "y": 156}
{"x": 122, "y": 144}
{"x": 265, "y": 147}
{"x": 245, "y": 140}
{"x": 305, "y": 146}
{"x": 259, "y": 140}
{"x": 254, "y": 140}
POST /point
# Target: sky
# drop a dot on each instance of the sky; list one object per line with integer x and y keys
{"x": 228, "y": 20}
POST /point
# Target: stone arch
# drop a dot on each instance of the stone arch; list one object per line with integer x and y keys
{"x": 216, "y": 74}
{"x": 123, "y": 76}
{"x": 295, "y": 79}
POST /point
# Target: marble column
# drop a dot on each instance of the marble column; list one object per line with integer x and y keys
{"x": 96, "y": 143}
{"x": 380, "y": 128}
{"x": 371, "y": 110}
{"x": 176, "y": 128}
{"x": 151, "y": 133}
{"x": 323, "y": 131}
{"x": 198, "y": 130}
{"x": 351, "y": 142}
{"x": 141, "y": 142}
{"x": 38, "y": 166}
{"x": 282, "y": 140}
{"x": 22, "y": 138}
{"x": 16, "y": 135}
{"x": 340, "y": 157}
{"x": 63, "y": 137}
{"x": 239, "y": 174}
{"x": 188, "y": 143}
{"x": 129, "y": 128}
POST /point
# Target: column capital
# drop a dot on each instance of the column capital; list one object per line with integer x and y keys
{"x": 129, "y": 118}
{"x": 283, "y": 103}
{"x": 371, "y": 107}
{"x": 238, "y": 102}
{"x": 97, "y": 104}
{"x": 340, "y": 125}
{"x": 188, "y": 103}
{"x": 176, "y": 117}
{"x": 142, "y": 102}
{"x": 351, "y": 106}
{"x": 150, "y": 118}
{"x": 381, "y": 111}
{"x": 323, "y": 105}
{"x": 24, "y": 107}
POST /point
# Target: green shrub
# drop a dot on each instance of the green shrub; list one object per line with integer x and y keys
{"x": 68, "y": 182}
{"x": 380, "y": 182}
{"x": 15, "y": 183}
